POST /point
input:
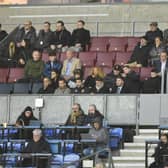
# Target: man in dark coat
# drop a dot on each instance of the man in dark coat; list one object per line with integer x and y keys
{"x": 153, "y": 33}
{"x": 44, "y": 37}
{"x": 37, "y": 145}
{"x": 61, "y": 37}
{"x": 132, "y": 79}
{"x": 3, "y": 33}
{"x": 25, "y": 40}
{"x": 80, "y": 36}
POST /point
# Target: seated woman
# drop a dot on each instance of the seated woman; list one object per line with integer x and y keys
{"x": 24, "y": 120}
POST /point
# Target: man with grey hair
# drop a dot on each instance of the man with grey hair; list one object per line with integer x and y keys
{"x": 37, "y": 145}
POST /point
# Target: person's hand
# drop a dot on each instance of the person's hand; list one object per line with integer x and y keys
{"x": 52, "y": 47}
{"x": 123, "y": 75}
{"x": 23, "y": 43}
{"x": 21, "y": 61}
{"x": 59, "y": 46}
{"x": 18, "y": 44}
{"x": 78, "y": 45}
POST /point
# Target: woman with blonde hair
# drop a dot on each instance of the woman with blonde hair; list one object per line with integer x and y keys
{"x": 90, "y": 81}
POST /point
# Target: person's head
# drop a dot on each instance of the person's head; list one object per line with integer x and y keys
{"x": 97, "y": 71}
{"x": 62, "y": 83}
{"x": 126, "y": 69}
{"x": 99, "y": 82}
{"x": 27, "y": 25}
{"x": 46, "y": 26}
{"x": 46, "y": 82}
{"x": 69, "y": 53}
{"x": 77, "y": 73}
{"x": 143, "y": 41}
{"x": 117, "y": 70}
{"x": 97, "y": 123}
{"x": 36, "y": 55}
{"x": 163, "y": 56}
{"x": 54, "y": 74}
{"x": 166, "y": 165}
{"x": 153, "y": 26}
{"x": 37, "y": 134}
{"x": 164, "y": 138}
{"x": 59, "y": 25}
{"x": 80, "y": 24}
{"x": 153, "y": 73}
{"x": 119, "y": 82}
{"x": 52, "y": 55}
{"x": 158, "y": 41}
{"x": 78, "y": 82}
{"x": 28, "y": 112}
{"x": 76, "y": 107}
{"x": 92, "y": 109}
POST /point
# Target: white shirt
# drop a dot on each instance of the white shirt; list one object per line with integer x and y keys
{"x": 163, "y": 66}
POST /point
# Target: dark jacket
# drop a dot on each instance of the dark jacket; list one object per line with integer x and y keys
{"x": 158, "y": 65}
{"x": 103, "y": 90}
{"x": 151, "y": 85}
{"x": 140, "y": 55}
{"x": 110, "y": 80}
{"x": 90, "y": 82}
{"x": 151, "y": 35}
{"x": 62, "y": 37}
{"x": 48, "y": 90}
{"x": 3, "y": 34}
{"x": 124, "y": 89}
{"x": 81, "y": 36}
{"x": 44, "y": 39}
{"x": 132, "y": 82}
{"x": 79, "y": 90}
{"x": 57, "y": 66}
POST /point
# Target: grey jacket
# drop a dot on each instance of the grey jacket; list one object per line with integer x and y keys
{"x": 62, "y": 91}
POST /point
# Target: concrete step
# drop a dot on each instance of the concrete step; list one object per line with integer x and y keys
{"x": 149, "y": 132}
{"x": 140, "y": 145}
{"x": 135, "y": 152}
{"x": 129, "y": 165}
{"x": 143, "y": 138}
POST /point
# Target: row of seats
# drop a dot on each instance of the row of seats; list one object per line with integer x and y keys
{"x": 113, "y": 43}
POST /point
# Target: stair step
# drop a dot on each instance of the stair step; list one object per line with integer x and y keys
{"x": 129, "y": 165}
{"x": 143, "y": 138}
{"x": 149, "y": 132}
{"x": 140, "y": 145}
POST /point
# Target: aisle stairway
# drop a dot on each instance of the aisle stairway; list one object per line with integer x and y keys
{"x": 133, "y": 154}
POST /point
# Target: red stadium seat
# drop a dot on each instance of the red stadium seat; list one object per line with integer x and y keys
{"x": 122, "y": 58}
{"x": 137, "y": 70}
{"x": 87, "y": 72}
{"x": 103, "y": 39}
{"x": 45, "y": 56}
{"x": 107, "y": 70}
{"x": 4, "y": 72}
{"x": 117, "y": 44}
{"x": 87, "y": 58}
{"x": 15, "y": 74}
{"x": 132, "y": 42}
{"x": 63, "y": 56}
{"x": 107, "y": 54}
{"x": 104, "y": 61}
{"x": 145, "y": 72}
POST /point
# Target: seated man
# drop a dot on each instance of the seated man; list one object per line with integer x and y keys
{"x": 52, "y": 64}
{"x": 70, "y": 64}
{"x": 80, "y": 36}
{"x": 44, "y": 37}
{"x": 152, "y": 84}
{"x": 37, "y": 145}
{"x": 34, "y": 68}
{"x": 62, "y": 88}
{"x": 160, "y": 151}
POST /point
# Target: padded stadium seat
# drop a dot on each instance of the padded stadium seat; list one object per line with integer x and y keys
{"x": 117, "y": 44}
{"x": 21, "y": 88}
{"x": 16, "y": 146}
{"x": 87, "y": 72}
{"x": 72, "y": 158}
{"x": 104, "y": 61}
{"x": 98, "y": 47}
{"x": 35, "y": 87}
{"x": 55, "y": 146}
{"x": 45, "y": 56}
{"x": 145, "y": 72}
{"x": 57, "y": 160}
{"x": 5, "y": 88}
{"x": 49, "y": 133}
{"x": 106, "y": 70}
{"x": 132, "y": 42}
{"x": 98, "y": 40}
{"x": 15, "y": 74}
{"x": 4, "y": 72}
{"x": 87, "y": 58}
{"x": 122, "y": 58}
{"x": 107, "y": 54}
{"x": 63, "y": 56}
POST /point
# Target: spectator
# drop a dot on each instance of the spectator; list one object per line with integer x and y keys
{"x": 156, "y": 50}
{"x": 99, "y": 133}
{"x": 166, "y": 165}
{"x": 44, "y": 37}
{"x": 34, "y": 67}
{"x": 100, "y": 87}
{"x": 153, "y": 33}
{"x": 52, "y": 64}
{"x": 110, "y": 79}
{"x": 37, "y": 145}
{"x": 132, "y": 80}
{"x": 120, "y": 86}
{"x": 160, "y": 151}
{"x": 61, "y": 38}
{"x": 153, "y": 84}
{"x": 92, "y": 114}
{"x": 80, "y": 36}
{"x": 140, "y": 55}
{"x": 25, "y": 40}
{"x": 47, "y": 86}
{"x": 90, "y": 81}
{"x": 3, "y": 33}
{"x": 54, "y": 79}
{"x": 70, "y": 64}
{"x": 62, "y": 88}
{"x": 77, "y": 116}
{"x": 24, "y": 120}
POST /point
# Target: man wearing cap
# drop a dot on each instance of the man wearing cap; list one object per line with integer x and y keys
{"x": 52, "y": 64}
{"x": 140, "y": 55}
{"x": 153, "y": 33}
